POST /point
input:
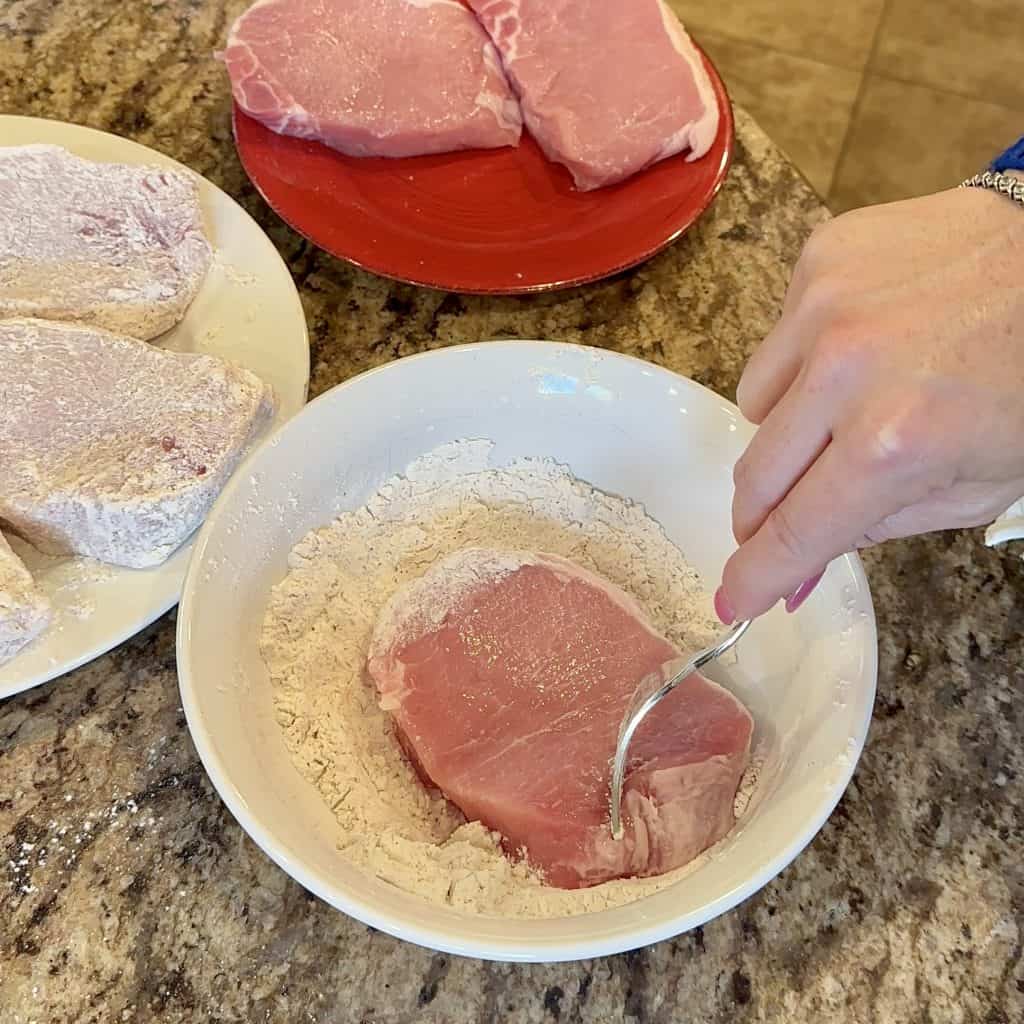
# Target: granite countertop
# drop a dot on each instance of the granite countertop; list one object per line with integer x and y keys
{"x": 128, "y": 893}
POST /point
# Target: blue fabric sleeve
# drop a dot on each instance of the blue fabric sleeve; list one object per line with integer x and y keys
{"x": 1012, "y": 159}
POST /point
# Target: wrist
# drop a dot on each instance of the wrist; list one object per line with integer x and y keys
{"x": 1010, "y": 163}
{"x": 1004, "y": 175}
{"x": 1017, "y": 223}
{"x": 1006, "y": 186}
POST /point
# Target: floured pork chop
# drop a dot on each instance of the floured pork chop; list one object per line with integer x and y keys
{"x": 607, "y": 87}
{"x": 24, "y": 609}
{"x": 388, "y": 78}
{"x": 507, "y": 675}
{"x": 109, "y": 245}
{"x": 113, "y": 448}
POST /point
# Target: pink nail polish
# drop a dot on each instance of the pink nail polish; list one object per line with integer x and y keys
{"x": 723, "y": 609}
{"x": 802, "y": 592}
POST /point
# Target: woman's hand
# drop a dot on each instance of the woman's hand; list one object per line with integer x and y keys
{"x": 890, "y": 396}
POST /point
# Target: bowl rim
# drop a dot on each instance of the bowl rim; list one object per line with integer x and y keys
{"x": 354, "y": 903}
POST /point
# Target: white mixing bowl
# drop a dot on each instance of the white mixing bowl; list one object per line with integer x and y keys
{"x": 624, "y": 426}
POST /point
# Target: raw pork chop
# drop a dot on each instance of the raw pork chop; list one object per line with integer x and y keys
{"x": 109, "y": 245}
{"x": 24, "y": 610}
{"x": 112, "y": 448}
{"x": 606, "y": 87}
{"x": 372, "y": 77}
{"x": 508, "y": 674}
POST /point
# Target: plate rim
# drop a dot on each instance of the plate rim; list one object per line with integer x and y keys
{"x": 116, "y": 637}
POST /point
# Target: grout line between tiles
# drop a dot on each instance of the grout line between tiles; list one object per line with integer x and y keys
{"x": 951, "y": 93}
{"x": 859, "y": 98}
{"x": 868, "y": 68}
{"x": 696, "y": 30}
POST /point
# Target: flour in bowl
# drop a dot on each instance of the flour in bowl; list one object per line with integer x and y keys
{"x": 321, "y": 617}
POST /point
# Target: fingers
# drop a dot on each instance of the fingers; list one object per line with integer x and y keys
{"x": 836, "y": 502}
{"x": 789, "y": 441}
{"x": 771, "y": 371}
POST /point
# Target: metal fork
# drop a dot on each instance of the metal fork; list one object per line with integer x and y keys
{"x": 650, "y": 691}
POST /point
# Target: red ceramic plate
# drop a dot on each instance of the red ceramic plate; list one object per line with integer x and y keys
{"x": 484, "y": 221}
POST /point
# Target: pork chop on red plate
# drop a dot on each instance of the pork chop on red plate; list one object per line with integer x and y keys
{"x": 606, "y": 87}
{"x": 507, "y": 675}
{"x": 389, "y": 78}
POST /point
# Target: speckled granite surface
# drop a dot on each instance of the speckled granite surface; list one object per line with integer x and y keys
{"x": 127, "y": 893}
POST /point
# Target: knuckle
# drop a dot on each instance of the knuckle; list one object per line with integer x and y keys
{"x": 741, "y": 473}
{"x": 745, "y": 501}
{"x": 740, "y": 532}
{"x": 750, "y": 491}
{"x": 823, "y": 296}
{"x": 819, "y": 242}
{"x": 841, "y": 354}
{"x": 899, "y": 442}
{"x": 784, "y": 534}
{"x": 829, "y": 363}
{"x": 836, "y": 233}
{"x": 746, "y": 403}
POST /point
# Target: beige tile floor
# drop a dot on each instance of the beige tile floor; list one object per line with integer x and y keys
{"x": 873, "y": 100}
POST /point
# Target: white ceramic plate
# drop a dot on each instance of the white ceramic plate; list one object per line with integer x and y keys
{"x": 248, "y": 311}
{"x": 625, "y": 426}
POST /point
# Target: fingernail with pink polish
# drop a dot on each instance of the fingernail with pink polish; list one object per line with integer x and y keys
{"x": 723, "y": 609}
{"x": 802, "y": 592}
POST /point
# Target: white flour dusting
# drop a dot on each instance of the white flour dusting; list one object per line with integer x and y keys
{"x": 69, "y": 582}
{"x": 317, "y": 631}
{"x": 108, "y": 245}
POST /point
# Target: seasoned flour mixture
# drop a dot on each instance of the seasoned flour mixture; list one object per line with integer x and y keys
{"x": 318, "y": 627}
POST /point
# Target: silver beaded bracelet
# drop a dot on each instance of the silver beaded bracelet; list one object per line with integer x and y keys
{"x": 1012, "y": 188}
